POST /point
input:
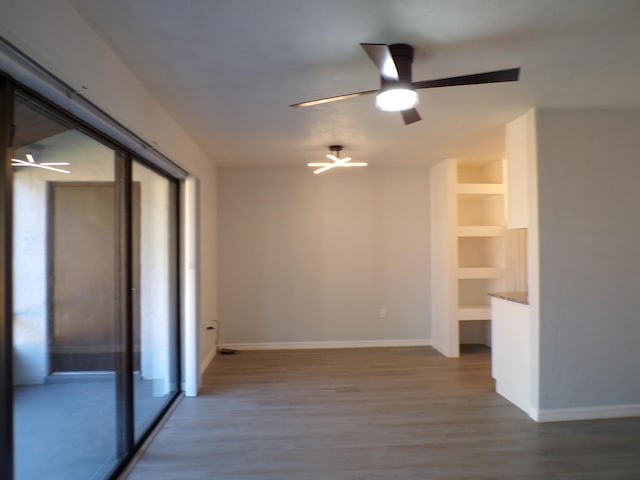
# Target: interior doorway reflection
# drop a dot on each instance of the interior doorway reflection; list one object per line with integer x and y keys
{"x": 81, "y": 303}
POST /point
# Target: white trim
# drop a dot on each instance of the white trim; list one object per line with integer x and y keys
{"x": 585, "y": 413}
{"x": 411, "y": 342}
{"x": 208, "y": 359}
{"x": 190, "y": 287}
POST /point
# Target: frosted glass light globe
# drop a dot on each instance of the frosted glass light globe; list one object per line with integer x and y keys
{"x": 396, "y": 100}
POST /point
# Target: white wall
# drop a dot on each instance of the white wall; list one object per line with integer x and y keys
{"x": 589, "y": 226}
{"x": 314, "y": 258}
{"x": 523, "y": 251}
{"x": 443, "y": 258}
{"x": 55, "y": 36}
{"x": 208, "y": 266}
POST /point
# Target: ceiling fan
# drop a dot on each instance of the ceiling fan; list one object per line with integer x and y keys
{"x": 397, "y": 92}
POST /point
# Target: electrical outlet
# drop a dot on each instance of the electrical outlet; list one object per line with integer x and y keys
{"x": 383, "y": 312}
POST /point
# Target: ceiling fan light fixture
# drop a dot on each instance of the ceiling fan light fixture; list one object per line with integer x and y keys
{"x": 336, "y": 161}
{"x": 397, "y": 99}
{"x": 30, "y": 162}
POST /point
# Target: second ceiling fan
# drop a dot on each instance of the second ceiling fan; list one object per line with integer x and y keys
{"x": 397, "y": 92}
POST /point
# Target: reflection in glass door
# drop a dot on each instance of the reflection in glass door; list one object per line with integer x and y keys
{"x": 155, "y": 296}
{"x": 95, "y": 299}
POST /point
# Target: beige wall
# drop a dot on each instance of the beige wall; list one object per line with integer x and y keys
{"x": 588, "y": 172}
{"x": 314, "y": 258}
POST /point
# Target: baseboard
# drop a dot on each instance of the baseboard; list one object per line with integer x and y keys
{"x": 413, "y": 342}
{"x": 205, "y": 363}
{"x": 585, "y": 413}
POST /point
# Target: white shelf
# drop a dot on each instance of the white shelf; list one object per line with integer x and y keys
{"x": 480, "y": 188}
{"x": 480, "y": 273}
{"x": 480, "y": 230}
{"x": 474, "y": 312}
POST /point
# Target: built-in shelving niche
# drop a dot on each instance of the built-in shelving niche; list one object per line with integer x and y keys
{"x": 474, "y": 194}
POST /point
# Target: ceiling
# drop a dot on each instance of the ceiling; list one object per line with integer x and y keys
{"x": 227, "y": 70}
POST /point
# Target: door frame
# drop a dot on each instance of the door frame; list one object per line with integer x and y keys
{"x": 6, "y": 280}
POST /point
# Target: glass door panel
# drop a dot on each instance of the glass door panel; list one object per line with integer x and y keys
{"x": 66, "y": 331}
{"x": 154, "y": 227}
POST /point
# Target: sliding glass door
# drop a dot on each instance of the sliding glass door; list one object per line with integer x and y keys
{"x": 94, "y": 324}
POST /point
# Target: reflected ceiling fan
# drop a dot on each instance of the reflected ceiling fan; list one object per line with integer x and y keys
{"x": 397, "y": 92}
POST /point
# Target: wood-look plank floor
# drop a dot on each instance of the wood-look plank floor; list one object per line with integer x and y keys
{"x": 374, "y": 414}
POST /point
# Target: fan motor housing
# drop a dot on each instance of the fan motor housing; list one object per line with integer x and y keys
{"x": 402, "y": 55}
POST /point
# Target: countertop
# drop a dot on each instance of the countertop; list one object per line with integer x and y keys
{"x": 518, "y": 297}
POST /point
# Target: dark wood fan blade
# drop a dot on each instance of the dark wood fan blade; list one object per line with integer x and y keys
{"x": 320, "y": 101}
{"x": 410, "y": 116}
{"x": 510, "y": 75}
{"x": 380, "y": 54}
